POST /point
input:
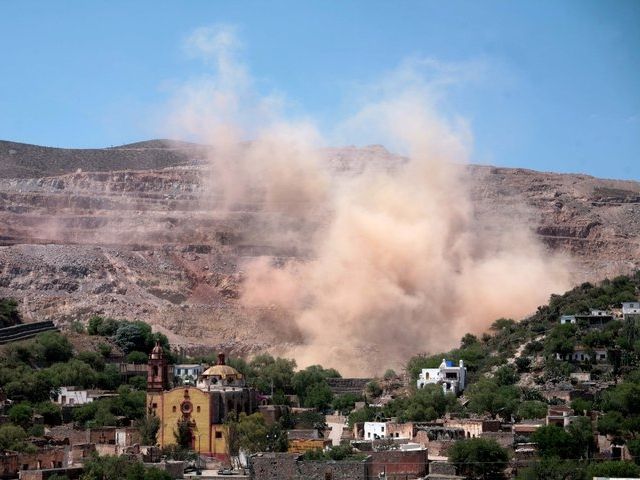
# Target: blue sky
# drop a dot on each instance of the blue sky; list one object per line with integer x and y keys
{"x": 553, "y": 85}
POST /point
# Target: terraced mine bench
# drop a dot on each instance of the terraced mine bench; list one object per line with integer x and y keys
{"x": 25, "y": 331}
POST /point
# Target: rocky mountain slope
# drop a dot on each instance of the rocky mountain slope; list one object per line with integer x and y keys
{"x": 124, "y": 232}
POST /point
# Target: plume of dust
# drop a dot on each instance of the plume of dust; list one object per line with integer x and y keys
{"x": 398, "y": 264}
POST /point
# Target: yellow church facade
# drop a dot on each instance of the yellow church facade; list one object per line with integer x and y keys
{"x": 195, "y": 407}
{"x": 201, "y": 409}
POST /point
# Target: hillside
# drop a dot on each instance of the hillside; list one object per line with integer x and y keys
{"x": 21, "y": 160}
{"x": 124, "y": 232}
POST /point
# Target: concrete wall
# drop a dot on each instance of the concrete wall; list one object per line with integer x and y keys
{"x": 11, "y": 464}
{"x": 400, "y": 430}
{"x": 289, "y": 467}
{"x": 173, "y": 468}
{"x": 398, "y": 465}
{"x": 442, "y": 468}
{"x": 373, "y": 430}
{"x": 72, "y": 473}
{"x": 300, "y": 445}
{"x": 102, "y": 435}
{"x": 504, "y": 439}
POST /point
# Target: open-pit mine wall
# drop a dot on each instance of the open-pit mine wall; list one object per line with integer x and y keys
{"x": 141, "y": 243}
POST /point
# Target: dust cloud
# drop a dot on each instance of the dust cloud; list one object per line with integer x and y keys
{"x": 398, "y": 263}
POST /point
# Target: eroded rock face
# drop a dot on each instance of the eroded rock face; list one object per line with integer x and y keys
{"x": 141, "y": 242}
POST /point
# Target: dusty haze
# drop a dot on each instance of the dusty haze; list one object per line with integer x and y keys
{"x": 396, "y": 263}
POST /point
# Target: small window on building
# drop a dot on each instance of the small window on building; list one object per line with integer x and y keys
{"x": 397, "y": 434}
{"x": 173, "y": 409}
{"x": 154, "y": 405}
{"x": 382, "y": 428}
{"x": 198, "y": 409}
{"x": 218, "y": 434}
{"x": 368, "y": 434}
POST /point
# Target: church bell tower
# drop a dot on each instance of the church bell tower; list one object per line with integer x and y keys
{"x": 157, "y": 370}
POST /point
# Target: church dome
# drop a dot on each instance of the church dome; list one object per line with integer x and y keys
{"x": 222, "y": 371}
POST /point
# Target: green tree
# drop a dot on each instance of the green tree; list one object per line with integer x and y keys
{"x": 105, "y": 327}
{"x": 561, "y": 339}
{"x": 12, "y": 437}
{"x": 418, "y": 362}
{"x": 506, "y": 375}
{"x": 634, "y": 448}
{"x": 74, "y": 372}
{"x": 9, "y": 314}
{"x": 148, "y": 427}
{"x": 182, "y": 434}
{"x": 318, "y": 395}
{"x": 523, "y": 364}
{"x": 32, "y": 386}
{"x": 479, "y": 458}
{"x": 267, "y": 373}
{"x": 105, "y": 349}
{"x": 422, "y": 405}
{"x": 624, "y": 398}
{"x": 93, "y": 359}
{"x": 109, "y": 378}
{"x": 252, "y": 433}
{"x": 486, "y": 396}
{"x": 120, "y": 468}
{"x": 346, "y": 402}
{"x": 83, "y": 414}
{"x": 277, "y": 438}
{"x": 390, "y": 374}
{"x": 312, "y": 376}
{"x": 532, "y": 409}
{"x": 613, "y": 469}
{"x": 582, "y": 406}
{"x": 553, "y": 468}
{"x": 373, "y": 389}
{"x": 36, "y": 430}
{"x": 132, "y": 336}
{"x": 468, "y": 340}
{"x": 611, "y": 423}
{"x": 154, "y": 473}
{"x": 137, "y": 357}
{"x": 138, "y": 382}
{"x": 21, "y": 414}
{"x": 581, "y": 433}
{"x": 53, "y": 347}
{"x": 554, "y": 441}
{"x": 309, "y": 419}
{"x": 94, "y": 323}
{"x": 57, "y": 476}
{"x": 51, "y": 413}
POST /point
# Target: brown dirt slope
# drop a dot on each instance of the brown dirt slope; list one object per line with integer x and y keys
{"x": 122, "y": 232}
